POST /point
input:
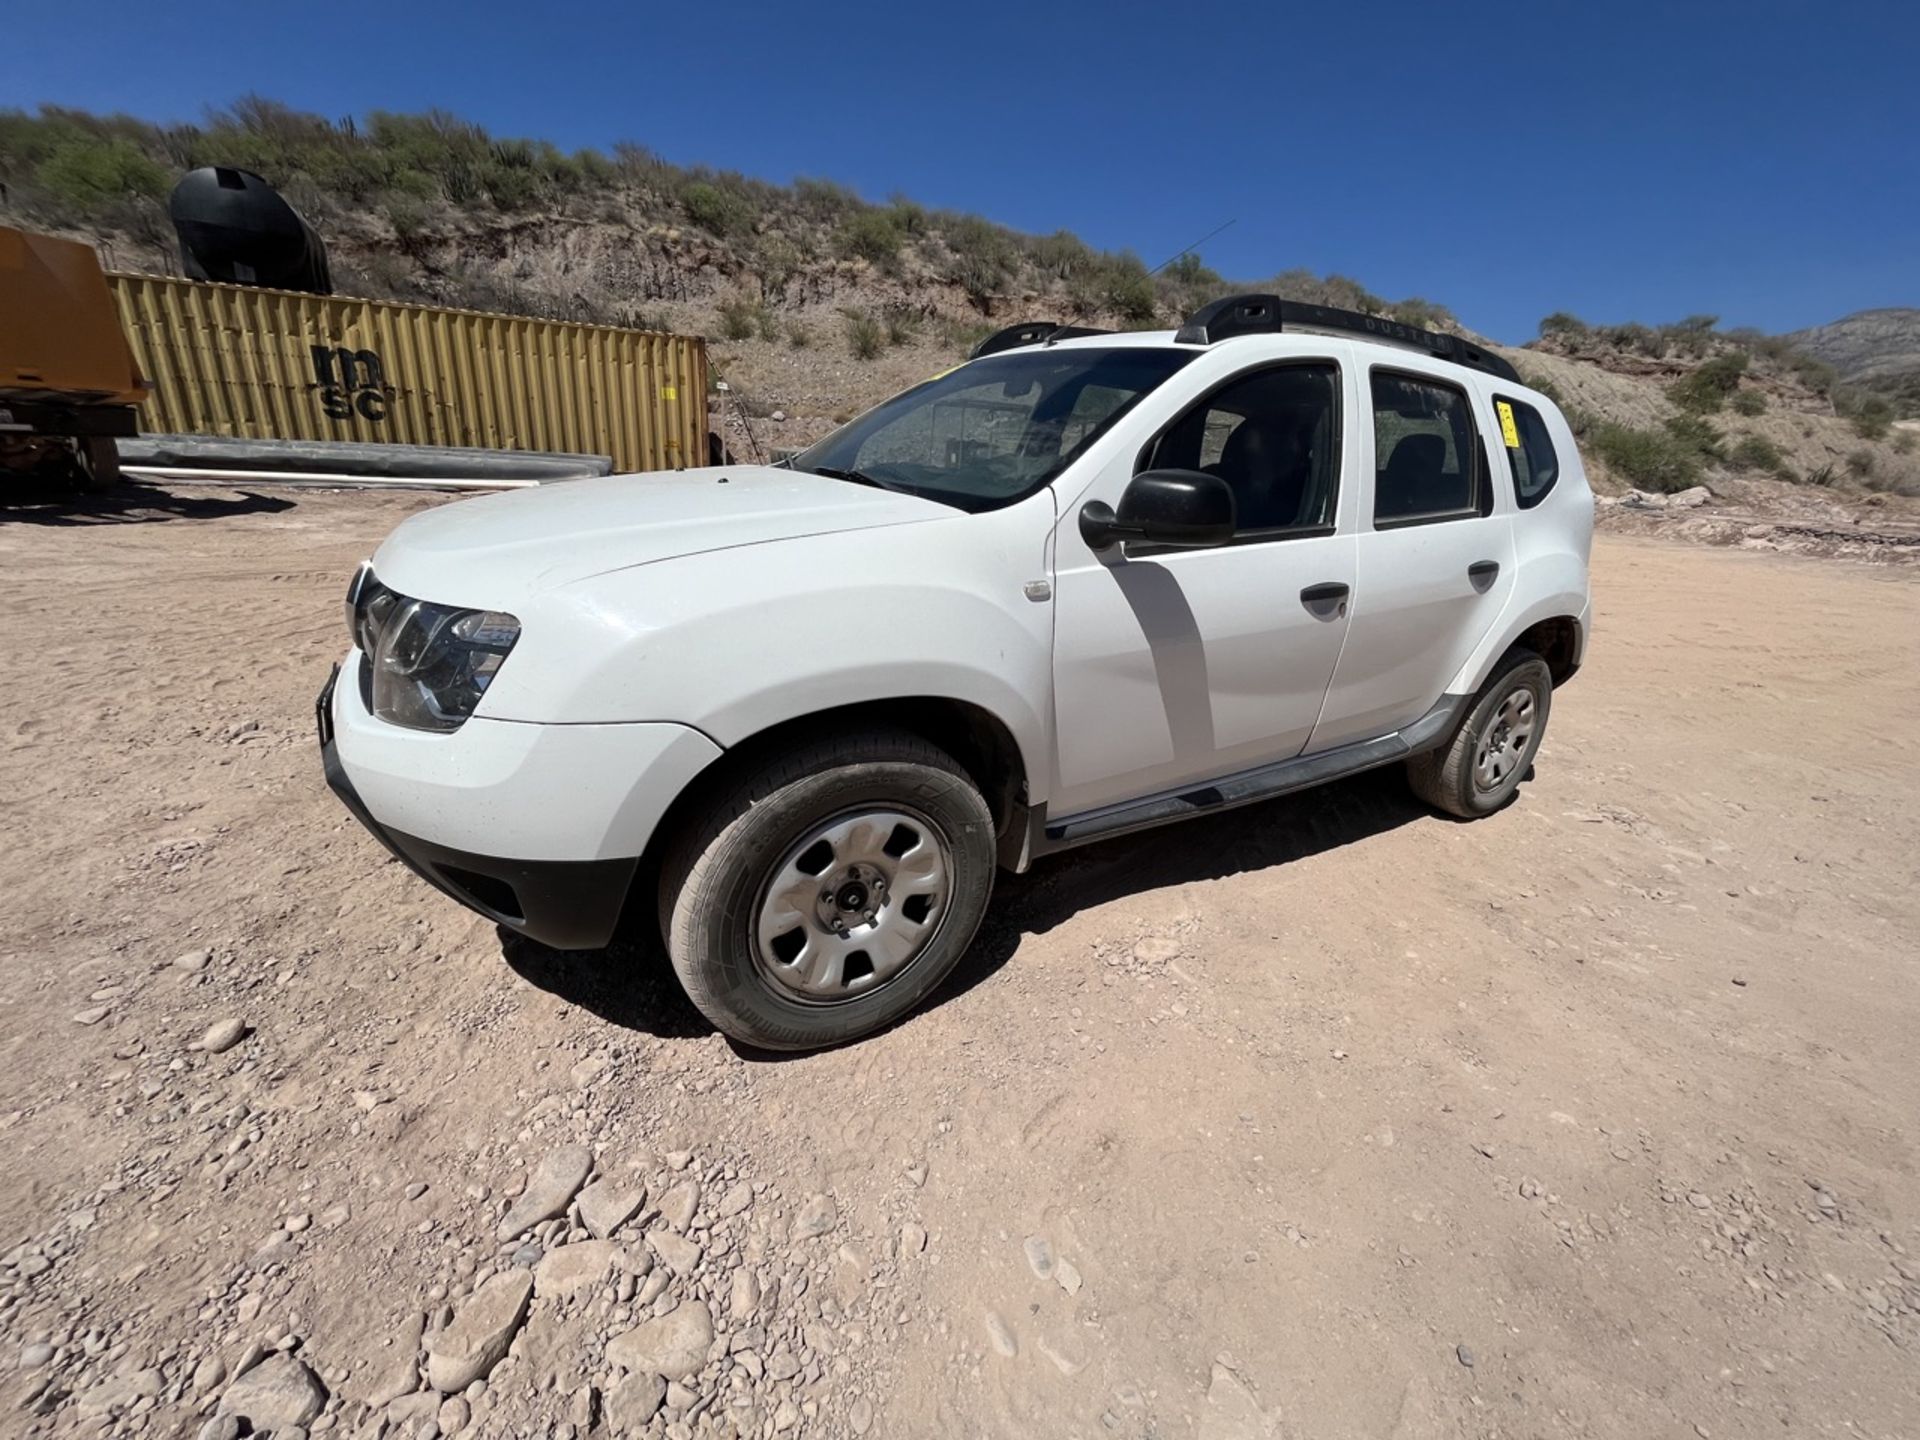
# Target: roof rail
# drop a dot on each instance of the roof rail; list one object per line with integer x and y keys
{"x": 1029, "y": 332}
{"x": 1269, "y": 314}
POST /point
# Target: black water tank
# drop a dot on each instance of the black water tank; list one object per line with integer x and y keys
{"x": 235, "y": 227}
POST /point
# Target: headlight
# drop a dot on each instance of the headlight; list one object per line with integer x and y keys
{"x": 430, "y": 664}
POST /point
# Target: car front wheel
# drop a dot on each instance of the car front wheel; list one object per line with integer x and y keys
{"x": 829, "y": 889}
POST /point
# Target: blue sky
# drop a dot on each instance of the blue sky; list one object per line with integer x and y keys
{"x": 1623, "y": 161}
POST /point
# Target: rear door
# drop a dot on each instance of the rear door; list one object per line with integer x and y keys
{"x": 1436, "y": 561}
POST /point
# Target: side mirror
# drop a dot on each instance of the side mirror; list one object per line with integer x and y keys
{"x": 1163, "y": 507}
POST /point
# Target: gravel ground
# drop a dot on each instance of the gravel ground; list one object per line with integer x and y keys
{"x": 1326, "y": 1118}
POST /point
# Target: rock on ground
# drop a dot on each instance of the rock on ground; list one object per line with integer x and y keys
{"x": 277, "y": 1394}
{"x": 674, "y": 1346}
{"x": 605, "y": 1206}
{"x": 679, "y": 1254}
{"x": 634, "y": 1401}
{"x": 556, "y": 1181}
{"x": 573, "y": 1268}
{"x": 819, "y": 1215}
{"x": 481, "y": 1331}
{"x": 223, "y": 1035}
{"x": 1231, "y": 1413}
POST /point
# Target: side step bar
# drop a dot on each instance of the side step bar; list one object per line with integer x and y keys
{"x": 1248, "y": 786}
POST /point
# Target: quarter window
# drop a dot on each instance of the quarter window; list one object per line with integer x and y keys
{"x": 1529, "y": 451}
{"x": 1425, "y": 451}
{"x": 1274, "y": 437}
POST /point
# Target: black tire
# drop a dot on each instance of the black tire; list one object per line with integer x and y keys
{"x": 714, "y": 878}
{"x": 99, "y": 463}
{"x": 1449, "y": 778}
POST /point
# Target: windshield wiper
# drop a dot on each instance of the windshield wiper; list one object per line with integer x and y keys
{"x": 858, "y": 477}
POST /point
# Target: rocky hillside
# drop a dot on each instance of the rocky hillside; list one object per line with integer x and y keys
{"x": 1877, "y": 350}
{"x": 819, "y": 302}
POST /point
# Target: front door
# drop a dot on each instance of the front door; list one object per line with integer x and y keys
{"x": 1173, "y": 666}
{"x": 1436, "y": 561}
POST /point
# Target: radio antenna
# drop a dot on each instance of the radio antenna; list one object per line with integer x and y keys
{"x": 1194, "y": 246}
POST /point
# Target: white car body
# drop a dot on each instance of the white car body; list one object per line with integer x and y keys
{"x": 667, "y": 619}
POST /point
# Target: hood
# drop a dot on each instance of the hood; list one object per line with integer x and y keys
{"x": 479, "y": 552}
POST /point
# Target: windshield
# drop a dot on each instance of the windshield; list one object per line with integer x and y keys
{"x": 993, "y": 430}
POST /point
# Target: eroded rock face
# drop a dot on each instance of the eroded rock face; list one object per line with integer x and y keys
{"x": 674, "y": 1346}
{"x": 277, "y": 1394}
{"x": 481, "y": 1331}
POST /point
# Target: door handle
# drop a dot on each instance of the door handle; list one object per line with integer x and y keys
{"x": 1482, "y": 573}
{"x": 1326, "y": 601}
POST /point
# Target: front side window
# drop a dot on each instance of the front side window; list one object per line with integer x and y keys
{"x": 1424, "y": 450}
{"x": 996, "y": 429}
{"x": 1529, "y": 451}
{"x": 1274, "y": 437}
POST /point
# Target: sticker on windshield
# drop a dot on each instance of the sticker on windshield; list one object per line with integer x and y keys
{"x": 1509, "y": 432}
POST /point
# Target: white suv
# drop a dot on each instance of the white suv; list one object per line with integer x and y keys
{"x": 1082, "y": 584}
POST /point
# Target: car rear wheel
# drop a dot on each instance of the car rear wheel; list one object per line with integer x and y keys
{"x": 1481, "y": 768}
{"x": 829, "y": 890}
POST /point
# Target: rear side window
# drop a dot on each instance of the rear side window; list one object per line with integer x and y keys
{"x": 1529, "y": 450}
{"x": 1425, "y": 451}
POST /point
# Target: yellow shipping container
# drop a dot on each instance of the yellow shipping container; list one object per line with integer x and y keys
{"x": 276, "y": 365}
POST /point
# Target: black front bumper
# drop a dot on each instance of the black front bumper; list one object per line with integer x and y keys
{"x": 568, "y": 904}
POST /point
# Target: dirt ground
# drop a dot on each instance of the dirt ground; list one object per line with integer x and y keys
{"x": 1325, "y": 1118}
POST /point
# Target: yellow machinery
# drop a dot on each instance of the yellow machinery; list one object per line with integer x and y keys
{"x": 68, "y": 382}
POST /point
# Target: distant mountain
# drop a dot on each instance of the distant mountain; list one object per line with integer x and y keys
{"x": 1876, "y": 350}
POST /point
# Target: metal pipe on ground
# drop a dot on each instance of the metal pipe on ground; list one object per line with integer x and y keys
{"x": 314, "y": 480}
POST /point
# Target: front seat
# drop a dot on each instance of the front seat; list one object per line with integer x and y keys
{"x": 1267, "y": 468}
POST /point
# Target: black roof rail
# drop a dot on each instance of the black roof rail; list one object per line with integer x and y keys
{"x": 1269, "y": 314}
{"x": 1030, "y": 332}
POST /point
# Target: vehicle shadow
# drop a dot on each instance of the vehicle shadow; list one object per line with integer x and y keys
{"x": 632, "y": 985}
{"x": 40, "y": 503}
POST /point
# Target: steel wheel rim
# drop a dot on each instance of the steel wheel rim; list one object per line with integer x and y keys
{"x": 1505, "y": 739}
{"x": 852, "y": 903}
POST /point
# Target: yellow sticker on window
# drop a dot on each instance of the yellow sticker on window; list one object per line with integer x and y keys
{"x": 1508, "y": 431}
{"x": 669, "y": 392}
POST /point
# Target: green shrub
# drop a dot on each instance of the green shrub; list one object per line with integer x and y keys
{"x": 778, "y": 261}
{"x": 1756, "y": 452}
{"x": 909, "y": 216}
{"x": 873, "y": 235}
{"x": 798, "y": 336}
{"x": 1117, "y": 284}
{"x": 866, "y": 337}
{"x": 408, "y": 215}
{"x": 1860, "y": 464}
{"x": 1424, "y": 314}
{"x": 1706, "y": 390}
{"x": 1872, "y": 415}
{"x": 1560, "y": 322}
{"x": 823, "y": 201}
{"x": 83, "y": 177}
{"x": 960, "y": 336}
{"x": 1748, "y": 402}
{"x": 1699, "y": 436}
{"x": 983, "y": 254}
{"x": 1822, "y": 477}
{"x": 1061, "y": 254}
{"x": 738, "y": 317}
{"x": 718, "y": 211}
{"x": 902, "y": 325}
{"x": 1649, "y": 459}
